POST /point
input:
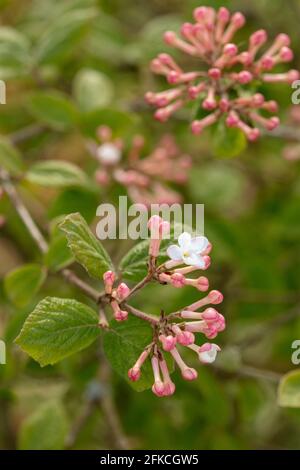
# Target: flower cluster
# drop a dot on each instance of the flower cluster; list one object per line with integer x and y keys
{"x": 144, "y": 178}
{"x": 221, "y": 85}
{"x": 178, "y": 329}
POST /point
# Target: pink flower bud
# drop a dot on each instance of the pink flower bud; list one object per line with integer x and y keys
{"x": 283, "y": 40}
{"x": 177, "y": 280}
{"x": 109, "y": 279}
{"x": 286, "y": 54}
{"x": 169, "y": 37}
{"x": 168, "y": 342}
{"x": 158, "y": 388}
{"x": 202, "y": 284}
{"x": 245, "y": 77}
{"x": 189, "y": 374}
{"x": 267, "y": 63}
{"x": 122, "y": 291}
{"x": 210, "y": 314}
{"x": 121, "y": 315}
{"x": 134, "y": 374}
{"x": 230, "y": 49}
{"x": 232, "y": 119}
{"x": 258, "y": 38}
{"x": 215, "y": 297}
{"x": 200, "y": 13}
{"x": 238, "y": 19}
{"x": 185, "y": 337}
{"x": 223, "y": 14}
{"x": 258, "y": 99}
{"x": 224, "y": 105}
{"x": 214, "y": 73}
{"x": 272, "y": 123}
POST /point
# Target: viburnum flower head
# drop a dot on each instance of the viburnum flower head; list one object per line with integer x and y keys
{"x": 221, "y": 85}
{"x": 178, "y": 329}
{"x": 146, "y": 177}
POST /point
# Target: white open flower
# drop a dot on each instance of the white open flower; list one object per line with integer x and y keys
{"x": 208, "y": 352}
{"x": 108, "y": 154}
{"x": 189, "y": 250}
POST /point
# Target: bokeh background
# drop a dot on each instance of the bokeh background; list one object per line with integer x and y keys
{"x": 252, "y": 205}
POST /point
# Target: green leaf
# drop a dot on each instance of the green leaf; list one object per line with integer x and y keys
{"x": 10, "y": 158}
{"x": 23, "y": 283}
{"x": 45, "y": 429}
{"x": 289, "y": 390}
{"x": 92, "y": 89}
{"x": 228, "y": 142}
{"x": 56, "y": 173}
{"x": 88, "y": 251}
{"x": 58, "y": 328}
{"x": 53, "y": 108}
{"x": 58, "y": 255}
{"x": 14, "y": 53}
{"x": 63, "y": 35}
{"x": 123, "y": 343}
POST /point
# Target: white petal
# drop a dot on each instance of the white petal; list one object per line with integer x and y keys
{"x": 209, "y": 356}
{"x": 109, "y": 154}
{"x": 199, "y": 261}
{"x": 199, "y": 244}
{"x": 174, "y": 252}
{"x": 184, "y": 240}
{"x": 191, "y": 260}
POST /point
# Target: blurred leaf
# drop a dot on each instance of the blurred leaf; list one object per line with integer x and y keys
{"x": 87, "y": 250}
{"x": 82, "y": 200}
{"x": 10, "y": 157}
{"x": 45, "y": 429}
{"x": 289, "y": 390}
{"x": 23, "y": 283}
{"x": 56, "y": 173}
{"x": 63, "y": 35}
{"x": 58, "y": 328}
{"x": 53, "y": 108}
{"x": 120, "y": 122}
{"x": 228, "y": 142}
{"x": 14, "y": 53}
{"x": 92, "y": 89}
{"x": 58, "y": 255}
{"x": 123, "y": 344}
{"x": 151, "y": 40}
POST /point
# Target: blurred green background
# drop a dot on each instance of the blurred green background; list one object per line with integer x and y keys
{"x": 252, "y": 205}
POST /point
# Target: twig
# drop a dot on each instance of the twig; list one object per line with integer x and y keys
{"x": 285, "y": 132}
{"x": 286, "y": 317}
{"x": 109, "y": 409}
{"x": 38, "y": 237}
{"x": 143, "y": 315}
{"x": 26, "y": 133}
{"x": 71, "y": 277}
{"x": 23, "y": 211}
{"x": 80, "y": 423}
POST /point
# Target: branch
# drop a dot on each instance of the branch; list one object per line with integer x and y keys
{"x": 38, "y": 237}
{"x": 26, "y": 133}
{"x": 23, "y": 211}
{"x": 144, "y": 316}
